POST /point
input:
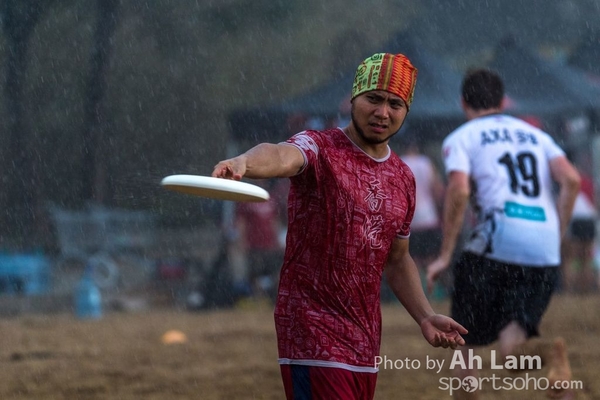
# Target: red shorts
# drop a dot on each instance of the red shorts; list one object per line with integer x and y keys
{"x": 303, "y": 382}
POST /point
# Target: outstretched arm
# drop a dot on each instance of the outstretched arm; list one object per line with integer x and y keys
{"x": 266, "y": 160}
{"x": 403, "y": 277}
{"x": 455, "y": 204}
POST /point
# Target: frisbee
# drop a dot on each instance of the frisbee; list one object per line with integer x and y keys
{"x": 215, "y": 188}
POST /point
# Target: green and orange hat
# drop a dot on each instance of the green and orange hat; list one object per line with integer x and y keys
{"x": 393, "y": 73}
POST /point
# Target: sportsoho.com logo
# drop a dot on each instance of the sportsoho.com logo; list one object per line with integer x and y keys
{"x": 472, "y": 361}
{"x": 471, "y": 384}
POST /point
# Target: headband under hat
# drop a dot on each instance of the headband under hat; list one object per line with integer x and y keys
{"x": 384, "y": 71}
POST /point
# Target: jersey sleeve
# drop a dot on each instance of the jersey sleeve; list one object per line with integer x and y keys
{"x": 455, "y": 153}
{"x": 552, "y": 149}
{"x": 308, "y": 144}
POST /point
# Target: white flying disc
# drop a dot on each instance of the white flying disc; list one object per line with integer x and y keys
{"x": 215, "y": 188}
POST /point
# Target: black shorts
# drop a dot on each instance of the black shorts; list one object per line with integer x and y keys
{"x": 489, "y": 294}
{"x": 423, "y": 243}
{"x": 583, "y": 229}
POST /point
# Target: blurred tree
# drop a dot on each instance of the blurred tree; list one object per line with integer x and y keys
{"x": 96, "y": 129}
{"x": 19, "y": 19}
{"x": 149, "y": 85}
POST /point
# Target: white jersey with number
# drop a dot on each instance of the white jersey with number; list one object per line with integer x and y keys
{"x": 512, "y": 190}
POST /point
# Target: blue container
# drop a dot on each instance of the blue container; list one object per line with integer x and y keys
{"x": 88, "y": 299}
{"x": 24, "y": 274}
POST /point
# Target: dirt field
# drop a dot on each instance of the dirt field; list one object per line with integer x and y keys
{"x": 231, "y": 354}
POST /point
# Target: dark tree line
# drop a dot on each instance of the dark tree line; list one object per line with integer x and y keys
{"x": 20, "y": 172}
{"x": 104, "y": 98}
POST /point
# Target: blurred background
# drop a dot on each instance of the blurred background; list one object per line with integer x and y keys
{"x": 102, "y": 99}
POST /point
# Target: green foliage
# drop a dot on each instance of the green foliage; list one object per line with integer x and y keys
{"x": 178, "y": 68}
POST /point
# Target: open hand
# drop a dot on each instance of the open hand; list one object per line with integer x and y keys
{"x": 442, "y": 331}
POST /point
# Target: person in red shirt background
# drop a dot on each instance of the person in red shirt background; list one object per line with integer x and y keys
{"x": 578, "y": 247}
{"x": 259, "y": 227}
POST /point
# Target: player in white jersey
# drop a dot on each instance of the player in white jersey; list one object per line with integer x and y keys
{"x": 507, "y": 159}
{"x": 509, "y": 265}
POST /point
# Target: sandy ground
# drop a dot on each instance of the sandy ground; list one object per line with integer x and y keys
{"x": 231, "y": 354}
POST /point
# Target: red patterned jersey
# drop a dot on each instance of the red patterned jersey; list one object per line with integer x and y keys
{"x": 344, "y": 210}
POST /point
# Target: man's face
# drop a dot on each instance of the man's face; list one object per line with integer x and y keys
{"x": 378, "y": 115}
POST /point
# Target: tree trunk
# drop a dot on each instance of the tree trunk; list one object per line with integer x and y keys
{"x": 20, "y": 173}
{"x": 96, "y": 133}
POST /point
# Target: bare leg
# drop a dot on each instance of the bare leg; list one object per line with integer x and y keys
{"x": 513, "y": 341}
{"x": 463, "y": 373}
{"x": 511, "y": 337}
{"x": 559, "y": 368}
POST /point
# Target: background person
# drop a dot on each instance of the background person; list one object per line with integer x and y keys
{"x": 258, "y": 227}
{"x": 425, "y": 228}
{"x": 509, "y": 266}
{"x": 579, "y": 272}
{"x": 350, "y": 205}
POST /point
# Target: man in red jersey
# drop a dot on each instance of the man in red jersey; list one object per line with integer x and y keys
{"x": 350, "y": 206}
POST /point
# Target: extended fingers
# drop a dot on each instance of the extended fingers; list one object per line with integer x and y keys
{"x": 223, "y": 170}
{"x": 448, "y": 340}
{"x": 459, "y": 328}
{"x": 219, "y": 171}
